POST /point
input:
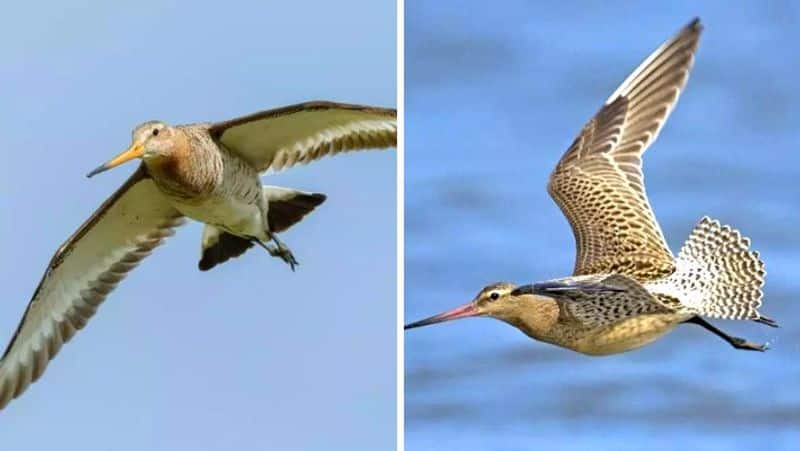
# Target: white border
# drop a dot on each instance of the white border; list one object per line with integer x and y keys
{"x": 400, "y": 224}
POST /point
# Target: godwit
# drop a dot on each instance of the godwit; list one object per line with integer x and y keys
{"x": 207, "y": 172}
{"x": 627, "y": 289}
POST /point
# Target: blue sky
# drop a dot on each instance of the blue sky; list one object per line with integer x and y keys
{"x": 248, "y": 355}
{"x": 494, "y": 96}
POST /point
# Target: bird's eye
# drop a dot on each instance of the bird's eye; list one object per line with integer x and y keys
{"x": 155, "y": 132}
{"x": 494, "y": 296}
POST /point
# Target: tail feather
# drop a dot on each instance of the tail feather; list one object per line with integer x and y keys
{"x": 287, "y": 206}
{"x": 717, "y": 275}
{"x": 219, "y": 246}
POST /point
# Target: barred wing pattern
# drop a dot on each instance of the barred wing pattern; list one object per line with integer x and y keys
{"x": 598, "y": 183}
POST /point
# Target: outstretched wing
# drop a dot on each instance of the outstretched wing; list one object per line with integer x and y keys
{"x": 280, "y": 138}
{"x": 599, "y": 183}
{"x": 123, "y": 231}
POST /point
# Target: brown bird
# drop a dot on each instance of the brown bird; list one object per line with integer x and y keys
{"x": 208, "y": 172}
{"x": 627, "y": 289}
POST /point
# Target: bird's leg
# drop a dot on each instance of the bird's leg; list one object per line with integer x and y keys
{"x": 280, "y": 250}
{"x": 736, "y": 342}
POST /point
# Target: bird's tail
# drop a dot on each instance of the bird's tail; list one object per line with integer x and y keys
{"x": 718, "y": 275}
{"x": 287, "y": 206}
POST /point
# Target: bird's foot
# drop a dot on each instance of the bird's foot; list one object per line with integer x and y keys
{"x": 279, "y": 250}
{"x": 741, "y": 343}
{"x": 283, "y": 252}
{"x": 736, "y": 342}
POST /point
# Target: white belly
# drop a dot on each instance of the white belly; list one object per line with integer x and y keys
{"x": 232, "y": 215}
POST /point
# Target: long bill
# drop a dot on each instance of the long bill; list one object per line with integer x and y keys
{"x": 465, "y": 311}
{"x": 136, "y": 150}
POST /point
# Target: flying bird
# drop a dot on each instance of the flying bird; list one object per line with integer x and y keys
{"x": 627, "y": 289}
{"x": 208, "y": 172}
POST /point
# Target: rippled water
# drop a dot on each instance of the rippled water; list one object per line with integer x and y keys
{"x": 493, "y": 97}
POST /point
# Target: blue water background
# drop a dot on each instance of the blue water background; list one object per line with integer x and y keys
{"x": 495, "y": 92}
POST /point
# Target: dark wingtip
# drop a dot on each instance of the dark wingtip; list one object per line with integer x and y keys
{"x": 559, "y": 286}
{"x": 318, "y": 198}
{"x": 695, "y": 25}
{"x": 204, "y": 265}
{"x": 524, "y": 289}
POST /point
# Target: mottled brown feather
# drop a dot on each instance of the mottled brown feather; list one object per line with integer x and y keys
{"x": 598, "y": 183}
{"x": 596, "y": 309}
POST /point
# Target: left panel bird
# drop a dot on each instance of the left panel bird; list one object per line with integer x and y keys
{"x": 208, "y": 172}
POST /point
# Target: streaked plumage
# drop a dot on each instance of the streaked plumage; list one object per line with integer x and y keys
{"x": 627, "y": 289}
{"x": 207, "y": 172}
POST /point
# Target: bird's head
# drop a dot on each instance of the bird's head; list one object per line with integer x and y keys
{"x": 150, "y": 140}
{"x": 503, "y": 301}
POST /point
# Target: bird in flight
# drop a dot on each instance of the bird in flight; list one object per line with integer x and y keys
{"x": 627, "y": 289}
{"x": 208, "y": 172}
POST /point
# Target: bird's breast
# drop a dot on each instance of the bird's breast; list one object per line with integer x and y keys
{"x": 184, "y": 176}
{"x": 209, "y": 184}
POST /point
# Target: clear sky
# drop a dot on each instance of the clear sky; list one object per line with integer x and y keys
{"x": 246, "y": 356}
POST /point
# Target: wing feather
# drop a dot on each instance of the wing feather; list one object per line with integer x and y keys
{"x": 124, "y": 230}
{"x": 598, "y": 183}
{"x": 298, "y": 134}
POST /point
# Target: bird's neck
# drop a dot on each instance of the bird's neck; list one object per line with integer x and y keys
{"x": 537, "y": 319}
{"x": 189, "y": 171}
